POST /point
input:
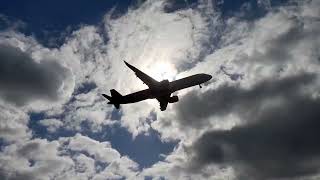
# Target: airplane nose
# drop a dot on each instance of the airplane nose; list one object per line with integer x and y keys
{"x": 208, "y": 77}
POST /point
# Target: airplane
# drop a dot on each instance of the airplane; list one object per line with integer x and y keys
{"x": 159, "y": 90}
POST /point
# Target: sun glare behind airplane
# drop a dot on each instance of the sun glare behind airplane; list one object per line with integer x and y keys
{"x": 162, "y": 70}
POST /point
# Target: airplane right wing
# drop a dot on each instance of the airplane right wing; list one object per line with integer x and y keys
{"x": 149, "y": 81}
{"x": 180, "y": 84}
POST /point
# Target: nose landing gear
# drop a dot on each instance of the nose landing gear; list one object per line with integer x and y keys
{"x": 200, "y": 86}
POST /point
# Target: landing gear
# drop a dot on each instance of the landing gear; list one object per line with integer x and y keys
{"x": 200, "y": 86}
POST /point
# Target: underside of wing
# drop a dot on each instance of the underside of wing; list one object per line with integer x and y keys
{"x": 137, "y": 96}
{"x": 149, "y": 81}
{"x": 182, "y": 83}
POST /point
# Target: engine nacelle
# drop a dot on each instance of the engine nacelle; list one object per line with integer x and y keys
{"x": 173, "y": 99}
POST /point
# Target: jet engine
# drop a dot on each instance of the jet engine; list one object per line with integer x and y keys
{"x": 173, "y": 99}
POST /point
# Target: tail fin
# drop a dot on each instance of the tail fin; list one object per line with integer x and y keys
{"x": 115, "y": 94}
{"x": 114, "y": 98}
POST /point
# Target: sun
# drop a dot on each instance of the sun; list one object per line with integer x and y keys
{"x": 162, "y": 70}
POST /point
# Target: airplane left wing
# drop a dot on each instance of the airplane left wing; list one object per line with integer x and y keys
{"x": 149, "y": 81}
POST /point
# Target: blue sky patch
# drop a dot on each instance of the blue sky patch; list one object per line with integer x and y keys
{"x": 51, "y": 21}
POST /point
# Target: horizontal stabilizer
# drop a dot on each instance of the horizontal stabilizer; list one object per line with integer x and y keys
{"x": 107, "y": 97}
{"x": 114, "y": 98}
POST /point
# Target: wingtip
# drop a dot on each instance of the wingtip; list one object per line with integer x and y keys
{"x": 129, "y": 65}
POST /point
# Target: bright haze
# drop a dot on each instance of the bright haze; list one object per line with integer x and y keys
{"x": 257, "y": 118}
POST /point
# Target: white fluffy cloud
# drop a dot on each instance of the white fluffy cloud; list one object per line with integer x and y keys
{"x": 13, "y": 124}
{"x": 51, "y": 124}
{"x": 76, "y": 157}
{"x": 116, "y": 166}
{"x": 34, "y": 159}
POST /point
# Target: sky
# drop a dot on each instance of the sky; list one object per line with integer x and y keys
{"x": 257, "y": 118}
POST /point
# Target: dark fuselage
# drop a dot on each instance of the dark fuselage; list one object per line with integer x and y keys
{"x": 159, "y": 90}
{"x": 165, "y": 88}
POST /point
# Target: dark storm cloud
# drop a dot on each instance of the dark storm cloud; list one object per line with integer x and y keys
{"x": 194, "y": 109}
{"x": 279, "y": 140}
{"x": 282, "y": 143}
{"x": 23, "y": 80}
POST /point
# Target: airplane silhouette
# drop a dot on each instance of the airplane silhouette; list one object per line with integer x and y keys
{"x": 159, "y": 90}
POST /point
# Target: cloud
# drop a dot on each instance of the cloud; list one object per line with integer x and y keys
{"x": 120, "y": 168}
{"x": 196, "y": 108}
{"x": 78, "y": 157}
{"x": 100, "y": 151}
{"x": 23, "y": 80}
{"x": 13, "y": 124}
{"x": 282, "y": 143}
{"x": 34, "y": 159}
{"x": 51, "y": 124}
{"x": 278, "y": 46}
{"x": 274, "y": 107}
{"x": 114, "y": 165}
